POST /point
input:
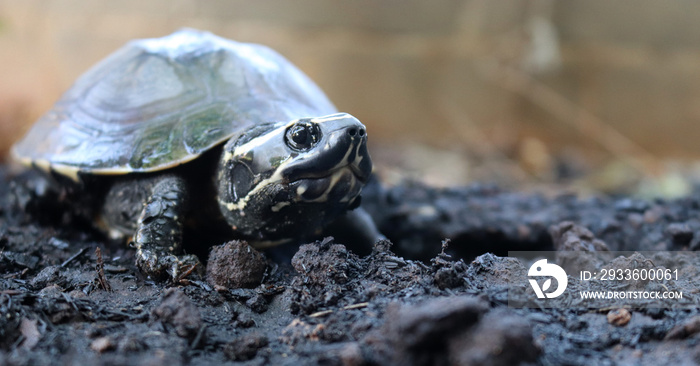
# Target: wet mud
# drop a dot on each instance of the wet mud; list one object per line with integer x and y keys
{"x": 435, "y": 293}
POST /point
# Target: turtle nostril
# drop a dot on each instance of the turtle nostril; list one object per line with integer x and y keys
{"x": 352, "y": 132}
{"x": 362, "y": 132}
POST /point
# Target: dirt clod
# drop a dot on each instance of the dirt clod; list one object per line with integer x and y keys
{"x": 235, "y": 264}
{"x": 177, "y": 311}
{"x": 245, "y": 347}
{"x": 50, "y": 275}
{"x": 569, "y": 240}
{"x": 257, "y": 303}
{"x": 567, "y": 236}
{"x": 423, "y": 330}
{"x": 500, "y": 338}
{"x": 686, "y": 329}
{"x": 326, "y": 271}
{"x": 448, "y": 273}
{"x": 681, "y": 233}
{"x": 324, "y": 262}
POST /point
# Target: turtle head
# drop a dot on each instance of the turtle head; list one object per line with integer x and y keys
{"x": 285, "y": 180}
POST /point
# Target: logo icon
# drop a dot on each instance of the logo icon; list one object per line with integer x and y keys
{"x": 543, "y": 269}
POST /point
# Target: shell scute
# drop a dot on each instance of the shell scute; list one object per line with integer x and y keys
{"x": 156, "y": 103}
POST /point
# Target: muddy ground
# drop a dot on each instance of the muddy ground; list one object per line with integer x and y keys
{"x": 413, "y": 300}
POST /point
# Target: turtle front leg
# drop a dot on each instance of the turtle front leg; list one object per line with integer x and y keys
{"x": 159, "y": 228}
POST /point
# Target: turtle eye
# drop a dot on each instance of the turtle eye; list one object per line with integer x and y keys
{"x": 302, "y": 136}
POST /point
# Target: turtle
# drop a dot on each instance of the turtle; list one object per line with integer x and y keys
{"x": 193, "y": 127}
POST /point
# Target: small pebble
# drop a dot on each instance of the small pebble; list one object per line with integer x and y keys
{"x": 619, "y": 317}
{"x": 102, "y": 344}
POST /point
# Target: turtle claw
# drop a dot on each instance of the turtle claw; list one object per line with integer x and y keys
{"x": 185, "y": 265}
{"x": 166, "y": 266}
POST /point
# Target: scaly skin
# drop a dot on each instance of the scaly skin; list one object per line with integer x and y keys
{"x": 158, "y": 237}
{"x": 158, "y": 230}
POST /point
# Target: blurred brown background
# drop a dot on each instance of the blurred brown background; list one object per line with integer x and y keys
{"x": 594, "y": 94}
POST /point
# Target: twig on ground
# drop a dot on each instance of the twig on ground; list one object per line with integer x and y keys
{"x": 100, "y": 268}
{"x": 73, "y": 257}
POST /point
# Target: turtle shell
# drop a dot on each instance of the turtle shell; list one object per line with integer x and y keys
{"x": 157, "y": 103}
